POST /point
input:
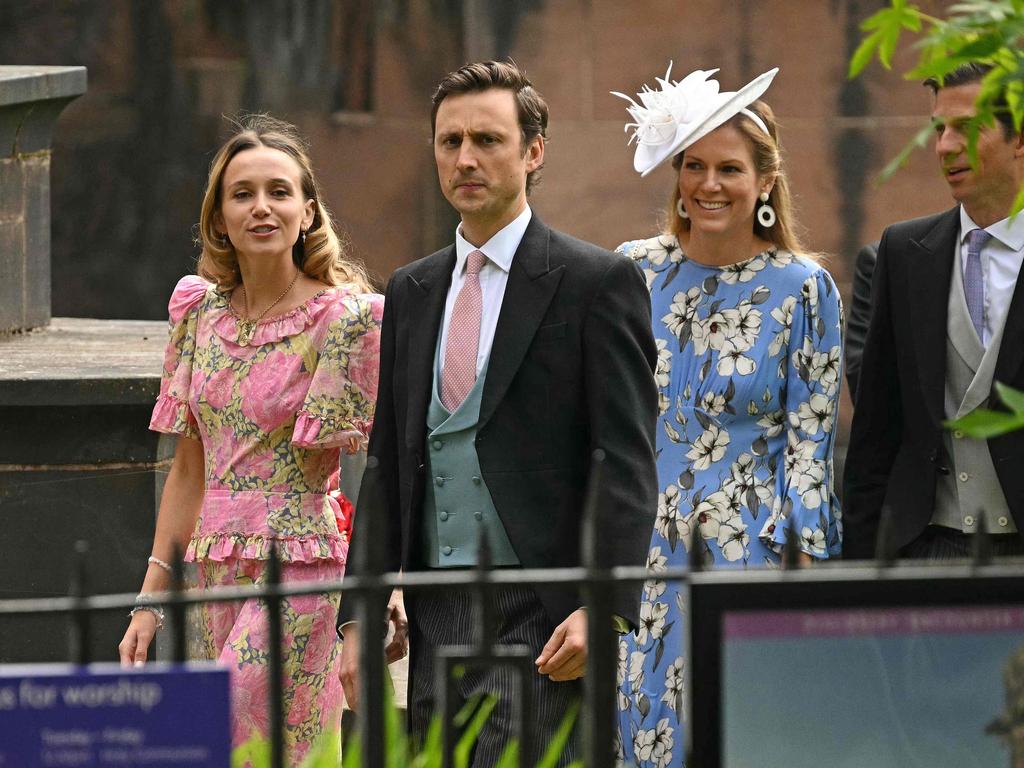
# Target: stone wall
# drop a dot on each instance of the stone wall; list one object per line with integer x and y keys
{"x": 357, "y": 76}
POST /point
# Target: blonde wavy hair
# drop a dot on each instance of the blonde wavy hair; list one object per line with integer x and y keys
{"x": 323, "y": 254}
{"x": 767, "y": 155}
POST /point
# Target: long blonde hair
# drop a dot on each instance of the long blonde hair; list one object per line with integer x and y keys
{"x": 321, "y": 256}
{"x": 768, "y": 162}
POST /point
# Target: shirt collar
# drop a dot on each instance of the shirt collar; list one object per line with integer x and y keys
{"x": 500, "y": 248}
{"x": 1010, "y": 232}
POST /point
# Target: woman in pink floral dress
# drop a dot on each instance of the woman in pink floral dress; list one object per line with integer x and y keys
{"x": 270, "y": 371}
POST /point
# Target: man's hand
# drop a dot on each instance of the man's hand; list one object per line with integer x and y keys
{"x": 564, "y": 657}
{"x": 399, "y": 645}
{"x": 348, "y": 671}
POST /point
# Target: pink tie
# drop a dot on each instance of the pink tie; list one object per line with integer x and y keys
{"x": 460, "y": 352}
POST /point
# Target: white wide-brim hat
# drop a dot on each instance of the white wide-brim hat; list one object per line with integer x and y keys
{"x": 669, "y": 120}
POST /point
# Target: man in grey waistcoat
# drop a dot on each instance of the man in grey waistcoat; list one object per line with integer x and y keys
{"x": 947, "y": 322}
{"x": 507, "y": 359}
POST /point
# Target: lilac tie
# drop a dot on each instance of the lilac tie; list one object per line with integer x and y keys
{"x": 460, "y": 352}
{"x": 974, "y": 284}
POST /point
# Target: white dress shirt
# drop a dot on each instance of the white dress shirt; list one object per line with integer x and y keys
{"x": 499, "y": 251}
{"x": 1001, "y": 259}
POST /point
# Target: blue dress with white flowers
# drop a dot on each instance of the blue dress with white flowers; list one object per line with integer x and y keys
{"x": 749, "y": 367}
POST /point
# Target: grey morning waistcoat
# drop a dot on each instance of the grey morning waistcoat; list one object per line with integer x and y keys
{"x": 971, "y": 489}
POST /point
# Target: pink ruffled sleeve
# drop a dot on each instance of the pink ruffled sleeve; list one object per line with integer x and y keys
{"x": 343, "y": 393}
{"x": 172, "y": 414}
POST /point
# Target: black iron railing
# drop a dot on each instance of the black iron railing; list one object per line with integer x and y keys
{"x": 370, "y": 590}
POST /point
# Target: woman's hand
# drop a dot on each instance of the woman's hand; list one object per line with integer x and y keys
{"x": 134, "y": 647}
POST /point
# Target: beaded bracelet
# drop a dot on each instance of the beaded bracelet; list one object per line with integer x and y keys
{"x": 145, "y": 602}
{"x": 162, "y": 563}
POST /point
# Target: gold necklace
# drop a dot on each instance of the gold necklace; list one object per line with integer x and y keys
{"x": 246, "y": 326}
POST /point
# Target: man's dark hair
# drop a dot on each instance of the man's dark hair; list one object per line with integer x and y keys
{"x": 967, "y": 74}
{"x": 484, "y": 75}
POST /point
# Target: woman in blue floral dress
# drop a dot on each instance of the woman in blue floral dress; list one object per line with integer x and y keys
{"x": 748, "y": 331}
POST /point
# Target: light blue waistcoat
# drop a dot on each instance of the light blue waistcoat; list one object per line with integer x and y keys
{"x": 457, "y": 503}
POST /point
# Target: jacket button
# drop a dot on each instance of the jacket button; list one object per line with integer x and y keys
{"x": 443, "y": 515}
{"x": 480, "y": 515}
{"x": 1003, "y": 522}
{"x": 476, "y": 480}
{"x": 963, "y": 476}
{"x": 446, "y": 549}
{"x": 958, "y": 434}
{"x": 438, "y": 445}
{"x": 969, "y": 520}
{"x": 438, "y": 481}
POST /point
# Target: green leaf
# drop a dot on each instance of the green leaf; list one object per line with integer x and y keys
{"x": 982, "y": 423}
{"x": 981, "y": 48}
{"x": 1012, "y": 398}
{"x": 560, "y": 738}
{"x": 1018, "y": 203}
{"x": 255, "y": 752}
{"x": 919, "y": 140}
{"x": 863, "y": 55}
{"x": 464, "y": 747}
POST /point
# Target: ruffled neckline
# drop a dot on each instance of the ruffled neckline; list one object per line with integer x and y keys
{"x": 230, "y": 327}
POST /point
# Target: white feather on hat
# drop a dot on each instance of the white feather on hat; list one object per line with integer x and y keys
{"x": 669, "y": 120}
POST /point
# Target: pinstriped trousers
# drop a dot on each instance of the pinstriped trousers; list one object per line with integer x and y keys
{"x": 940, "y": 543}
{"x": 437, "y": 619}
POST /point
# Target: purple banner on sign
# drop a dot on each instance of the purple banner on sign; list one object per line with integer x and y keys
{"x": 860, "y": 622}
{"x": 158, "y": 715}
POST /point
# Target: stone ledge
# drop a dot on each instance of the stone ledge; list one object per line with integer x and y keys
{"x": 76, "y": 361}
{"x": 23, "y": 84}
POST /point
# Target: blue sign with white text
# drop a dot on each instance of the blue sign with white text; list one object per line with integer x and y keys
{"x": 102, "y": 715}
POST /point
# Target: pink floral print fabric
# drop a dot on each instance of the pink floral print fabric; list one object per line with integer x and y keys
{"x": 235, "y": 634}
{"x": 272, "y": 415}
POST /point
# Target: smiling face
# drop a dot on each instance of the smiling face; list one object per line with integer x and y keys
{"x": 481, "y": 162}
{"x": 986, "y": 192}
{"x": 719, "y": 184}
{"x": 262, "y": 206}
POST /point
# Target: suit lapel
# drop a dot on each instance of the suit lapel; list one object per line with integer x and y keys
{"x": 929, "y": 272}
{"x": 532, "y": 282}
{"x": 425, "y": 308}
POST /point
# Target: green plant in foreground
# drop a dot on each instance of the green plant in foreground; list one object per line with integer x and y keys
{"x": 402, "y": 753}
{"x": 983, "y": 423}
{"x": 983, "y": 31}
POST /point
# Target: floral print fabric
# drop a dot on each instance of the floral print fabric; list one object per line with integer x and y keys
{"x": 236, "y": 635}
{"x": 748, "y": 378}
{"x": 271, "y": 415}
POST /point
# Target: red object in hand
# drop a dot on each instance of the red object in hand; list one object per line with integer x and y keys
{"x": 345, "y": 510}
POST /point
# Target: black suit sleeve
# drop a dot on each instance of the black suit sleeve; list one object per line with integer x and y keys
{"x": 876, "y": 432}
{"x": 378, "y": 494}
{"x": 619, "y": 358}
{"x": 860, "y": 314}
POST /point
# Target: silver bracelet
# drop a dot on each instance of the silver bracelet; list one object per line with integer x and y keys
{"x": 144, "y": 602}
{"x": 162, "y": 563}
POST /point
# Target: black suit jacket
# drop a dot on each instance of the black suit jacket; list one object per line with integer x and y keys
{"x": 896, "y": 450}
{"x": 570, "y": 371}
{"x": 859, "y": 316}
